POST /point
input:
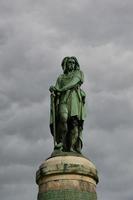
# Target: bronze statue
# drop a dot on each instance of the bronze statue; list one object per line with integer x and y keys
{"x": 68, "y": 107}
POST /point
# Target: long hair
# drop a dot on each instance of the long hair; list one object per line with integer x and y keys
{"x": 65, "y": 59}
{"x": 77, "y": 66}
{"x": 64, "y": 62}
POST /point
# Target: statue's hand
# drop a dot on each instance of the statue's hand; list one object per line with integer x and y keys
{"x": 52, "y": 89}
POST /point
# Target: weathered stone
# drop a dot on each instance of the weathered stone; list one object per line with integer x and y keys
{"x": 60, "y": 176}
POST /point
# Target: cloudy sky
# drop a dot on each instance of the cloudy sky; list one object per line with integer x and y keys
{"x": 34, "y": 38}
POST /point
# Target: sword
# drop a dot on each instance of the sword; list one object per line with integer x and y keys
{"x": 53, "y": 113}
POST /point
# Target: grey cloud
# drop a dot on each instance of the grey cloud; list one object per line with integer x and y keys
{"x": 15, "y": 173}
{"x": 109, "y": 154}
{"x": 17, "y": 190}
{"x": 17, "y": 151}
{"x": 34, "y": 37}
{"x": 92, "y": 22}
{"x": 116, "y": 111}
{"x": 83, "y": 20}
{"x": 111, "y": 71}
{"x": 28, "y": 121}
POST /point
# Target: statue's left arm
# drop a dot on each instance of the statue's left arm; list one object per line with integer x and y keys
{"x": 76, "y": 80}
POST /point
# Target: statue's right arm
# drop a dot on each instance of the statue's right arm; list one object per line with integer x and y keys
{"x": 57, "y": 85}
{"x": 55, "y": 88}
{"x": 74, "y": 82}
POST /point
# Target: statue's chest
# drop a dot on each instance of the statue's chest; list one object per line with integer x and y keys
{"x": 66, "y": 79}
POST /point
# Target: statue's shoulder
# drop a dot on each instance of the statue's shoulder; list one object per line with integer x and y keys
{"x": 79, "y": 73}
{"x": 60, "y": 76}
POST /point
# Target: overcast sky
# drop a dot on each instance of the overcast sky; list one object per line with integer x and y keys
{"x": 35, "y": 35}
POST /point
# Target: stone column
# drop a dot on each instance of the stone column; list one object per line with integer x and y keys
{"x": 67, "y": 178}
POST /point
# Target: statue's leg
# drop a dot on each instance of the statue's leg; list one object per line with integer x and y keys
{"x": 79, "y": 144}
{"x": 73, "y": 138}
{"x": 63, "y": 128}
{"x": 73, "y": 134}
{"x": 79, "y": 141}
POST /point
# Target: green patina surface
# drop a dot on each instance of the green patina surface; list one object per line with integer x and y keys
{"x": 59, "y": 153}
{"x": 67, "y": 195}
{"x": 67, "y": 108}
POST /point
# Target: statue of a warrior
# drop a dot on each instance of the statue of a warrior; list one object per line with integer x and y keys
{"x": 68, "y": 107}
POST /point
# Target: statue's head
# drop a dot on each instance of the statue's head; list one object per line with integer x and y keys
{"x": 76, "y": 66}
{"x": 70, "y": 64}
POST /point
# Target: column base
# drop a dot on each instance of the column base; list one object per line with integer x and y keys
{"x": 67, "y": 178}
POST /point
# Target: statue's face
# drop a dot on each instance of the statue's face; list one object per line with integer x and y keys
{"x": 70, "y": 64}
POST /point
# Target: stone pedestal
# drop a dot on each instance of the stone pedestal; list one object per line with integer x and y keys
{"x": 67, "y": 178}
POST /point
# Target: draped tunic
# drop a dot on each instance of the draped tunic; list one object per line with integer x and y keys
{"x": 71, "y": 98}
